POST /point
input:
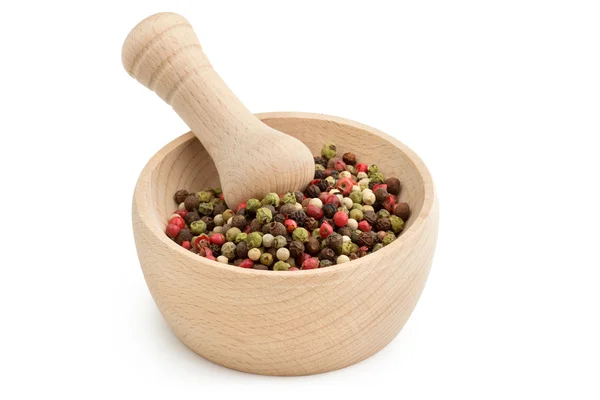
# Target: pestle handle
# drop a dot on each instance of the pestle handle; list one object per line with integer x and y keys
{"x": 163, "y": 53}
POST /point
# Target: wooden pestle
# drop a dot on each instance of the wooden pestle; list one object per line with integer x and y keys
{"x": 163, "y": 53}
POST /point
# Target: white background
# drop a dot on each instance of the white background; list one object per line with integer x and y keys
{"x": 500, "y": 99}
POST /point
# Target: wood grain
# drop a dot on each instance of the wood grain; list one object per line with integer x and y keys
{"x": 163, "y": 53}
{"x": 286, "y": 323}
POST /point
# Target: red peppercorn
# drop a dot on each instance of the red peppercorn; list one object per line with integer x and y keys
{"x": 302, "y": 258}
{"x": 290, "y": 225}
{"x": 293, "y": 269}
{"x": 172, "y": 230}
{"x": 340, "y": 165}
{"x": 328, "y": 171}
{"x": 311, "y": 263}
{"x": 178, "y": 220}
{"x": 201, "y": 241}
{"x": 247, "y": 229}
{"x": 325, "y": 230}
{"x": 389, "y": 202}
{"x": 205, "y": 251}
{"x": 211, "y": 258}
{"x": 364, "y": 226}
{"x": 242, "y": 205}
{"x": 361, "y": 167}
{"x": 247, "y": 263}
{"x": 333, "y": 199}
{"x": 324, "y": 196}
{"x": 186, "y": 245}
{"x": 218, "y": 239}
{"x": 340, "y": 218}
{"x": 221, "y": 197}
{"x": 181, "y": 213}
{"x": 345, "y": 186}
{"x": 313, "y": 182}
{"x": 379, "y": 185}
{"x": 314, "y": 211}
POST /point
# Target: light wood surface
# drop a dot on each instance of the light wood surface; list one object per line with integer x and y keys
{"x": 286, "y": 323}
{"x": 163, "y": 53}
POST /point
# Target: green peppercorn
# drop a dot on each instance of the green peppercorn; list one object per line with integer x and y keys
{"x": 264, "y": 215}
{"x": 227, "y": 214}
{"x": 383, "y": 213}
{"x": 319, "y": 167}
{"x": 328, "y": 151}
{"x": 356, "y": 196}
{"x": 253, "y": 205}
{"x": 397, "y": 223}
{"x": 266, "y": 259}
{"x": 254, "y": 240}
{"x": 205, "y": 196}
{"x": 347, "y": 248}
{"x": 289, "y": 198}
{"x": 388, "y": 239}
{"x": 373, "y": 168}
{"x": 205, "y": 208}
{"x": 198, "y": 227}
{"x": 281, "y": 266}
{"x": 241, "y": 237}
{"x": 228, "y": 250}
{"x": 356, "y": 215}
{"x": 271, "y": 198}
{"x": 232, "y": 233}
{"x": 376, "y": 177}
{"x": 280, "y": 241}
{"x": 325, "y": 263}
{"x": 315, "y": 233}
{"x": 300, "y": 235}
{"x": 378, "y": 246}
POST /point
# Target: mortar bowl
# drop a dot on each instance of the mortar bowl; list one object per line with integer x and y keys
{"x": 294, "y": 322}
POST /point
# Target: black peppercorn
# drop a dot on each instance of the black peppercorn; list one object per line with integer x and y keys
{"x": 313, "y": 246}
{"x": 272, "y": 251}
{"x": 255, "y": 226}
{"x": 239, "y": 221}
{"x": 287, "y": 209}
{"x": 402, "y": 210}
{"x": 353, "y": 256}
{"x": 322, "y": 185}
{"x": 219, "y": 208}
{"x": 298, "y": 216}
{"x": 376, "y": 206}
{"x": 334, "y": 174}
{"x": 313, "y": 191}
{"x": 299, "y": 196}
{"x": 345, "y": 231}
{"x": 366, "y": 239}
{"x": 382, "y": 224}
{"x": 319, "y": 174}
{"x": 393, "y": 186}
{"x": 278, "y": 218}
{"x": 321, "y": 161}
{"x": 327, "y": 254}
{"x": 271, "y": 208}
{"x": 311, "y": 224}
{"x": 296, "y": 249}
{"x": 216, "y": 249}
{"x": 325, "y": 263}
{"x": 180, "y": 196}
{"x": 266, "y": 229}
{"x": 238, "y": 261}
{"x": 277, "y": 228}
{"x": 191, "y": 202}
{"x": 329, "y": 210}
{"x": 241, "y": 250}
{"x": 260, "y": 266}
{"x": 372, "y": 184}
{"x": 210, "y": 224}
{"x": 380, "y": 194}
{"x": 370, "y": 217}
{"x": 191, "y": 217}
{"x": 335, "y": 242}
{"x": 349, "y": 158}
{"x": 184, "y": 235}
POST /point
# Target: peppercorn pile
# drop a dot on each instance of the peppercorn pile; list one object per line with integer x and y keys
{"x": 348, "y": 211}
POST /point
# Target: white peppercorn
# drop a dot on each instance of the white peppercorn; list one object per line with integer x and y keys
{"x": 283, "y": 254}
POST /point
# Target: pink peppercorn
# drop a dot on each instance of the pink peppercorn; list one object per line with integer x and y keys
{"x": 293, "y": 269}
{"x": 332, "y": 199}
{"x": 324, "y": 196}
{"x": 382, "y": 234}
{"x": 247, "y": 229}
{"x": 181, "y": 213}
{"x": 290, "y": 225}
{"x": 221, "y": 197}
{"x": 325, "y": 230}
{"x": 345, "y": 185}
{"x": 379, "y": 185}
{"x": 314, "y": 211}
{"x": 340, "y": 165}
{"x": 361, "y": 167}
{"x": 247, "y": 263}
{"x": 186, "y": 245}
{"x": 172, "y": 230}
{"x": 218, "y": 239}
{"x": 242, "y": 205}
{"x": 177, "y": 221}
{"x": 201, "y": 241}
{"x": 311, "y": 263}
{"x": 340, "y": 218}
{"x": 364, "y": 226}
{"x": 389, "y": 202}
{"x": 302, "y": 258}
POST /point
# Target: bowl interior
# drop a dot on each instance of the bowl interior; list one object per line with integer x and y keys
{"x": 187, "y": 165}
